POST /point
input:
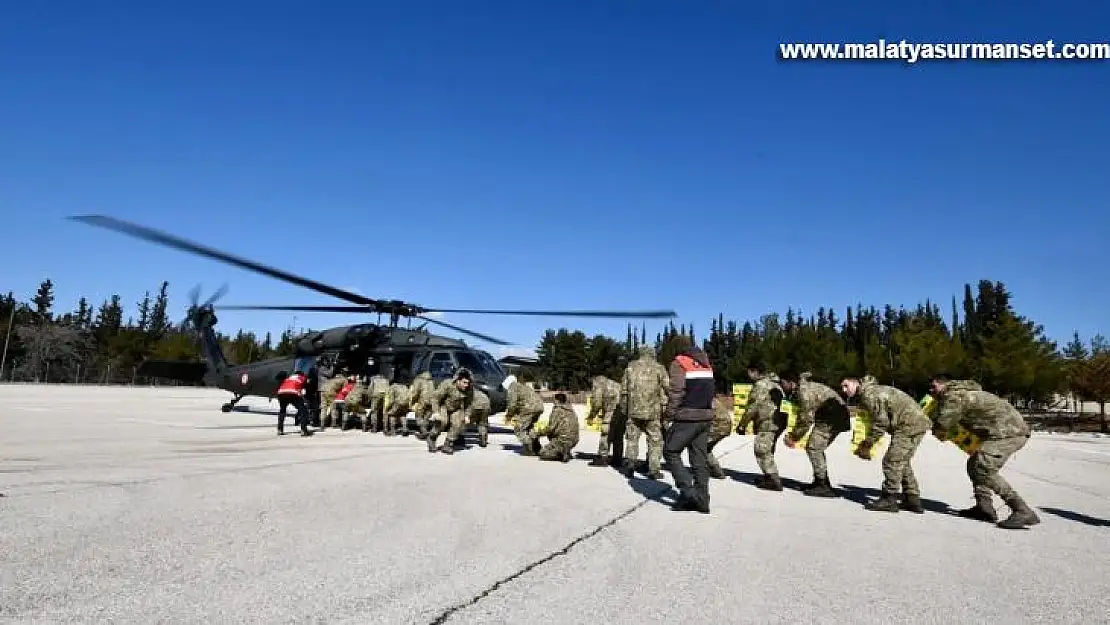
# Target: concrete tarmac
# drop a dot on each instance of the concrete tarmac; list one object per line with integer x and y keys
{"x": 150, "y": 505}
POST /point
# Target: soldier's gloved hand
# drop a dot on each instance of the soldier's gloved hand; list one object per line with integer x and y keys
{"x": 864, "y": 449}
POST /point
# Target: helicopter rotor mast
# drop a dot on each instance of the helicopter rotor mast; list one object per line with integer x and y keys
{"x": 395, "y": 309}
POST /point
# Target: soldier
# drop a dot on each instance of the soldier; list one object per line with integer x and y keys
{"x": 720, "y": 430}
{"x": 1002, "y": 432}
{"x": 562, "y": 431}
{"x": 291, "y": 393}
{"x": 524, "y": 405}
{"x": 822, "y": 408}
{"x": 312, "y": 396}
{"x": 451, "y": 405}
{"x": 644, "y": 389}
{"x": 897, "y": 413}
{"x": 375, "y": 419}
{"x": 605, "y": 396}
{"x": 765, "y": 412}
{"x": 397, "y": 410}
{"x": 479, "y": 416}
{"x": 690, "y": 415}
{"x": 327, "y": 399}
{"x": 420, "y": 397}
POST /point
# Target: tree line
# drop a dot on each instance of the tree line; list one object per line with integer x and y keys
{"x": 103, "y": 343}
{"x": 981, "y": 337}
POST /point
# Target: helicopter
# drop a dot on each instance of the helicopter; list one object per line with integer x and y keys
{"x": 397, "y": 353}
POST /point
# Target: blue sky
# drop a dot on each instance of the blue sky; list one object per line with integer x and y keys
{"x": 566, "y": 154}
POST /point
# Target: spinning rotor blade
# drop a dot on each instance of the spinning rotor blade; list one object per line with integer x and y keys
{"x": 614, "y": 314}
{"x": 337, "y": 309}
{"x": 222, "y": 291}
{"x": 484, "y": 337}
{"x": 169, "y": 240}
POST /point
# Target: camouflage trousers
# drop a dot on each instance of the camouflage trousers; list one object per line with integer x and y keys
{"x": 453, "y": 423}
{"x": 397, "y": 419}
{"x": 822, "y": 435}
{"x": 653, "y": 430}
{"x": 897, "y": 470}
{"x": 375, "y": 415}
{"x": 525, "y": 427}
{"x": 557, "y": 449}
{"x": 480, "y": 420}
{"x": 716, "y": 435}
{"x": 604, "y": 444}
{"x": 423, "y": 413}
{"x": 983, "y": 466}
{"x": 765, "y": 440}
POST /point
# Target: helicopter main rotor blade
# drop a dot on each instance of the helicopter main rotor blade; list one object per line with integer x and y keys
{"x": 169, "y": 240}
{"x": 484, "y": 337}
{"x": 615, "y": 314}
{"x": 337, "y": 309}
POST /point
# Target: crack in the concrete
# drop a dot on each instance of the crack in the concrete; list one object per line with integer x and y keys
{"x": 451, "y": 611}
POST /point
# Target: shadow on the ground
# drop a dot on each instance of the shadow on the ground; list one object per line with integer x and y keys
{"x": 1078, "y": 517}
{"x": 750, "y": 478}
{"x": 862, "y": 495}
{"x": 655, "y": 490}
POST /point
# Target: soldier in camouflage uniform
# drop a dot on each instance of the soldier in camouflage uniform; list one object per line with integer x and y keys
{"x": 452, "y": 404}
{"x": 397, "y": 410}
{"x": 821, "y": 408}
{"x": 605, "y": 397}
{"x": 327, "y": 399}
{"x": 358, "y": 400}
{"x": 375, "y": 419}
{"x": 562, "y": 431}
{"x": 523, "y": 408}
{"x": 644, "y": 389}
{"x": 479, "y": 416}
{"x": 720, "y": 430}
{"x": 765, "y": 413}
{"x": 1002, "y": 432}
{"x": 896, "y": 413}
{"x": 420, "y": 398}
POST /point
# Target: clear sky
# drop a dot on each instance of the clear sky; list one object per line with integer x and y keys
{"x": 572, "y": 154}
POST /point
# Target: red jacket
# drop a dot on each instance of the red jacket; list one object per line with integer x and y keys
{"x": 293, "y": 385}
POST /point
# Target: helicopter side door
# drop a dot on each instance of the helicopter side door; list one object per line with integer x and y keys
{"x": 441, "y": 365}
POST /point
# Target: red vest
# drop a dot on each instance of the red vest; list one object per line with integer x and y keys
{"x": 343, "y": 392}
{"x": 293, "y": 385}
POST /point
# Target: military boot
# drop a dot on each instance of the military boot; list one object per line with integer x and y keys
{"x": 983, "y": 510}
{"x": 483, "y": 439}
{"x": 820, "y": 488}
{"x": 421, "y": 431}
{"x": 912, "y": 503}
{"x": 527, "y": 449}
{"x": 431, "y": 438}
{"x": 655, "y": 475}
{"x": 1021, "y": 515}
{"x": 447, "y": 448}
{"x": 600, "y": 461}
{"x": 701, "y": 501}
{"x": 887, "y": 502}
{"x": 769, "y": 482}
{"x": 716, "y": 472}
{"x": 628, "y": 469}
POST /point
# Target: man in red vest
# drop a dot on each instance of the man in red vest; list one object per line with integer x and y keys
{"x": 292, "y": 392}
{"x": 690, "y": 414}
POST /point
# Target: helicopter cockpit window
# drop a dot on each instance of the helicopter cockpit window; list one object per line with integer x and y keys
{"x": 477, "y": 364}
{"x": 441, "y": 365}
{"x": 305, "y": 364}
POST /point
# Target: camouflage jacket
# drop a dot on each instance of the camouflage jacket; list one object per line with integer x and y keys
{"x": 480, "y": 405}
{"x": 332, "y": 387}
{"x": 722, "y": 420}
{"x": 892, "y": 411}
{"x": 398, "y": 398}
{"x": 817, "y": 403}
{"x": 644, "y": 387}
{"x": 379, "y": 386}
{"x": 562, "y": 425}
{"x": 522, "y": 399}
{"x": 605, "y": 395}
{"x": 422, "y": 390}
{"x": 985, "y": 414}
{"x": 359, "y": 398}
{"x": 448, "y": 399}
{"x": 764, "y": 404}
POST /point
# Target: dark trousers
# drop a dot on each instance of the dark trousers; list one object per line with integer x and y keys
{"x": 693, "y": 438}
{"x": 313, "y": 403}
{"x": 301, "y": 418}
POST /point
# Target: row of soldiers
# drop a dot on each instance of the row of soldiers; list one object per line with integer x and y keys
{"x": 383, "y": 407}
{"x": 639, "y": 400}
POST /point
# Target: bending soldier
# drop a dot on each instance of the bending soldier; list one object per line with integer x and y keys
{"x": 821, "y": 408}
{"x": 327, "y": 399}
{"x": 897, "y": 413}
{"x": 524, "y": 406}
{"x": 765, "y": 413}
{"x": 605, "y": 396}
{"x": 1002, "y": 432}
{"x": 375, "y": 418}
{"x": 451, "y": 406}
{"x": 312, "y": 396}
{"x": 562, "y": 431}
{"x": 644, "y": 388}
{"x": 478, "y": 416}
{"x": 397, "y": 410}
{"x": 719, "y": 431}
{"x": 421, "y": 397}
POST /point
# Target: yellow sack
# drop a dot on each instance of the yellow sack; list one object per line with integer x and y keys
{"x": 791, "y": 411}
{"x": 595, "y": 424}
{"x": 540, "y": 429}
{"x": 740, "y": 393}
{"x": 959, "y": 436}
{"x": 861, "y": 429}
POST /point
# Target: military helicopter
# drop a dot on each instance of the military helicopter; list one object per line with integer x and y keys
{"x": 366, "y": 349}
